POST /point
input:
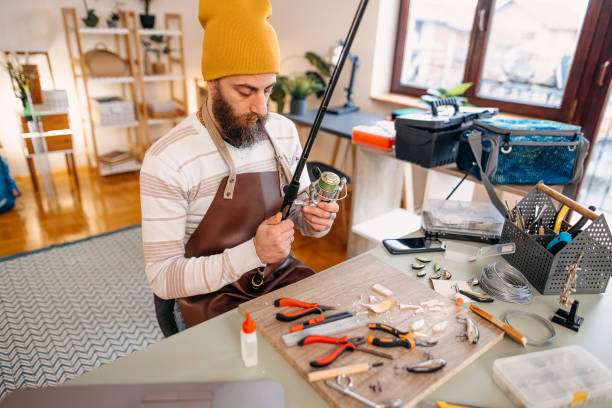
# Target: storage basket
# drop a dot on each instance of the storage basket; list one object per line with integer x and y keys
{"x": 113, "y": 111}
{"x": 55, "y": 100}
{"x": 547, "y": 272}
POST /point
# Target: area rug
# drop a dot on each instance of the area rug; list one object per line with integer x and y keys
{"x": 67, "y": 309}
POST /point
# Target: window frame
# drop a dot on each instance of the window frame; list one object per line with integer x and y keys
{"x": 476, "y": 56}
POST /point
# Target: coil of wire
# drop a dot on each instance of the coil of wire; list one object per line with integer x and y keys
{"x": 506, "y": 283}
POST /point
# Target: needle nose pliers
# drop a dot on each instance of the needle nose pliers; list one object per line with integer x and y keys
{"x": 308, "y": 308}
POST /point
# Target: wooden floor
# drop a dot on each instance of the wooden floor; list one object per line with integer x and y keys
{"x": 103, "y": 204}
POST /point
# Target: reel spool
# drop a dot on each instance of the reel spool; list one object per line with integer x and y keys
{"x": 327, "y": 187}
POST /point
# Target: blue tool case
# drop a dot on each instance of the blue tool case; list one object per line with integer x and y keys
{"x": 523, "y": 151}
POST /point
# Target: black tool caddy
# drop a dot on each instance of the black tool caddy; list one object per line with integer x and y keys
{"x": 546, "y": 271}
{"x": 431, "y": 139}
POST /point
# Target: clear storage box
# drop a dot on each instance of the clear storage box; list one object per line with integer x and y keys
{"x": 560, "y": 377}
{"x": 463, "y": 220}
{"x": 113, "y": 111}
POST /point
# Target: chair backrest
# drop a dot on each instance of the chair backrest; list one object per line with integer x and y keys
{"x": 164, "y": 309}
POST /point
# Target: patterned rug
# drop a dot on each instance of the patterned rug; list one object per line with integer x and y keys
{"x": 67, "y": 309}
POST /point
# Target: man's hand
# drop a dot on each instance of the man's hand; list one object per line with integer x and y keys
{"x": 322, "y": 217}
{"x": 273, "y": 239}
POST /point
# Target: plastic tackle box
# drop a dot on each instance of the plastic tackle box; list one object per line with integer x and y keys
{"x": 560, "y": 377}
{"x": 463, "y": 220}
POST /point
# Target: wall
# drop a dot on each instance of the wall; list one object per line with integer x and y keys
{"x": 301, "y": 26}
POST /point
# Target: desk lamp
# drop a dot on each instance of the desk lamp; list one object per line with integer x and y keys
{"x": 348, "y": 106}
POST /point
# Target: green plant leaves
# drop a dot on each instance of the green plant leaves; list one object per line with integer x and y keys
{"x": 323, "y": 67}
{"x": 459, "y": 89}
{"x": 279, "y": 92}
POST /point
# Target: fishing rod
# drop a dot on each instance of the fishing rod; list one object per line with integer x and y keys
{"x": 291, "y": 190}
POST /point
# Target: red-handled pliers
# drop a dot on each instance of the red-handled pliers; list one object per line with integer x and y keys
{"x": 346, "y": 344}
{"x": 308, "y": 308}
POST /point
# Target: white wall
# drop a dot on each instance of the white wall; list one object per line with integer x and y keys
{"x": 313, "y": 25}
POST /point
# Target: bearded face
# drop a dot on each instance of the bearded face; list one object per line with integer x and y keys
{"x": 239, "y": 130}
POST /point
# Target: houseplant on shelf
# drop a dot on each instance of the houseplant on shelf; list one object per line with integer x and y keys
{"x": 92, "y": 19}
{"x": 158, "y": 45}
{"x": 147, "y": 20}
{"x": 115, "y": 14}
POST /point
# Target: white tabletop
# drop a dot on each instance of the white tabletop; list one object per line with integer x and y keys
{"x": 211, "y": 350}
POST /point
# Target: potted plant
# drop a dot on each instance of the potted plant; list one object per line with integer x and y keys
{"x": 147, "y": 20}
{"x": 92, "y": 19}
{"x": 158, "y": 45}
{"x": 113, "y": 20}
{"x": 115, "y": 14}
{"x": 299, "y": 87}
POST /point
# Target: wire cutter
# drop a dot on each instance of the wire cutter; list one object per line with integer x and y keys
{"x": 346, "y": 344}
{"x": 404, "y": 339}
{"x": 309, "y": 308}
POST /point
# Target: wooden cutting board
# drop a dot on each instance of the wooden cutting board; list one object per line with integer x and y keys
{"x": 346, "y": 286}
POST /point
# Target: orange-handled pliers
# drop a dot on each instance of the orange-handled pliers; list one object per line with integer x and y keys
{"x": 308, "y": 308}
{"x": 403, "y": 339}
{"x": 346, "y": 344}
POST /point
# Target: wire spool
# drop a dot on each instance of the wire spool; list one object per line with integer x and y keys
{"x": 505, "y": 283}
{"x": 536, "y": 317}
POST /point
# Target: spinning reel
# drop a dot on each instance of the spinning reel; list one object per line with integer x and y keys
{"x": 327, "y": 188}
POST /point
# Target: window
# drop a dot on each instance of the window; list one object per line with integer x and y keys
{"x": 437, "y": 42}
{"x": 523, "y": 56}
{"x": 529, "y": 62}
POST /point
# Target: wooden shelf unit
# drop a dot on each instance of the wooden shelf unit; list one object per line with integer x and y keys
{"x": 127, "y": 41}
{"x": 175, "y": 77}
{"x": 120, "y": 37}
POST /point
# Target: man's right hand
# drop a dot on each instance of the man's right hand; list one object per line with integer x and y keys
{"x": 273, "y": 239}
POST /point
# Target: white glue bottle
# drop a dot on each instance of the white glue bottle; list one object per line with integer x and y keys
{"x": 248, "y": 342}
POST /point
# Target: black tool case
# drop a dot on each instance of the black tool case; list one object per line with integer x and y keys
{"x": 431, "y": 139}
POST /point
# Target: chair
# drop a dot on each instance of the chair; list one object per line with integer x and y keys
{"x": 164, "y": 310}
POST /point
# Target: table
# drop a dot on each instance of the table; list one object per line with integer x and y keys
{"x": 339, "y": 125}
{"x": 57, "y": 137}
{"x": 211, "y": 351}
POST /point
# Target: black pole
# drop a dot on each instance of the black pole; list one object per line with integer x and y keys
{"x": 291, "y": 190}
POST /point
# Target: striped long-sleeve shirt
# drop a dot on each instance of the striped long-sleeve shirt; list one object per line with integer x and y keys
{"x": 180, "y": 175}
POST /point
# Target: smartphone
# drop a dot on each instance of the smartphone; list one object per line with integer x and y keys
{"x": 413, "y": 245}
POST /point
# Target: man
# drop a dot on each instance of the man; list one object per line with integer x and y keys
{"x": 211, "y": 188}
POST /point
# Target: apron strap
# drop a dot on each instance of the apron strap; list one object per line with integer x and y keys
{"x": 283, "y": 168}
{"x": 228, "y": 194}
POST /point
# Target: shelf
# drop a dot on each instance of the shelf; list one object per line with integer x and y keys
{"x": 103, "y": 30}
{"x": 144, "y": 31}
{"x": 126, "y": 167}
{"x": 49, "y": 133}
{"x": 107, "y": 80}
{"x": 28, "y": 155}
{"x": 159, "y": 121}
{"x": 156, "y": 78}
{"x": 119, "y": 126}
{"x": 44, "y": 112}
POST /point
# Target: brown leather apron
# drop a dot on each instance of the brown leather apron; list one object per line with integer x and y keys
{"x": 242, "y": 202}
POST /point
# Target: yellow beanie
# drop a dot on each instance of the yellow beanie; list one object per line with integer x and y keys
{"x": 238, "y": 39}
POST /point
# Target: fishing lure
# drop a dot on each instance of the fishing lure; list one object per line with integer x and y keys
{"x": 429, "y": 366}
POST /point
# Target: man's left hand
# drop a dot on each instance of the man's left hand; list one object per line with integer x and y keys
{"x": 322, "y": 217}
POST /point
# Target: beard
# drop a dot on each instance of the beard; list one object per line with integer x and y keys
{"x": 240, "y": 131}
